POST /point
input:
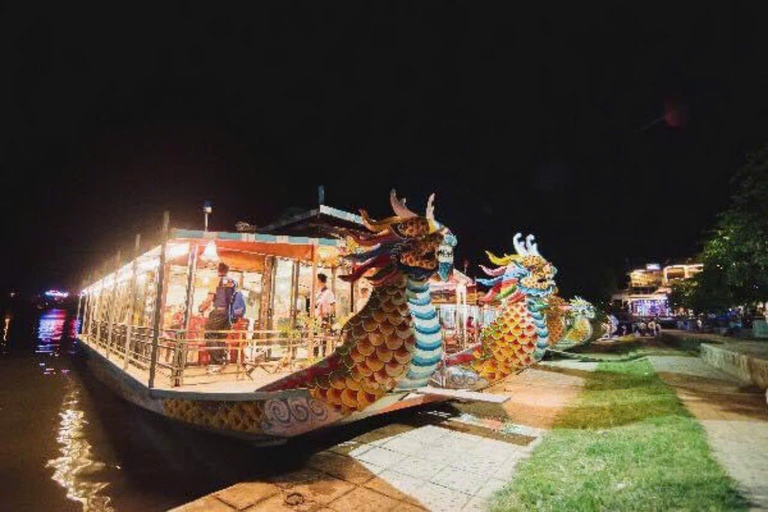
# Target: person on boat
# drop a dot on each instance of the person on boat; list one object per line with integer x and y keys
{"x": 325, "y": 309}
{"x": 220, "y": 295}
{"x": 325, "y": 302}
{"x": 472, "y": 329}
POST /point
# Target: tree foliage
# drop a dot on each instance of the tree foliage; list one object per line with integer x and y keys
{"x": 735, "y": 255}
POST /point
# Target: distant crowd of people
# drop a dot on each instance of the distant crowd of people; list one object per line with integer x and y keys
{"x": 649, "y": 328}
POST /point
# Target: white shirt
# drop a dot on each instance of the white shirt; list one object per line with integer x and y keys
{"x": 325, "y": 303}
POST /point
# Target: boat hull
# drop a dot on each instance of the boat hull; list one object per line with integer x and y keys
{"x": 259, "y": 417}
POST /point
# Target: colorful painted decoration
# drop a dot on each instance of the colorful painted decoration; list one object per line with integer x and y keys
{"x": 569, "y": 323}
{"x": 519, "y": 337}
{"x": 395, "y": 340}
{"x": 578, "y": 326}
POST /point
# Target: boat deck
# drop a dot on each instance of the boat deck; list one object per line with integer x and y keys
{"x": 196, "y": 379}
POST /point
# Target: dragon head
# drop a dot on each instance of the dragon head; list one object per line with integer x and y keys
{"x": 525, "y": 273}
{"x": 404, "y": 244}
{"x": 581, "y": 308}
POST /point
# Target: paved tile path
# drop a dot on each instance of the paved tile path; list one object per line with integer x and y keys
{"x": 734, "y": 416}
{"x": 453, "y": 464}
{"x": 429, "y": 467}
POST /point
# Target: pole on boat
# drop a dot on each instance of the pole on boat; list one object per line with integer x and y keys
{"x": 181, "y": 351}
{"x": 312, "y": 300}
{"x": 128, "y": 348}
{"x": 84, "y": 322}
{"x": 112, "y": 313}
{"x": 294, "y": 311}
{"x": 329, "y": 339}
{"x": 100, "y": 304}
{"x": 87, "y": 309}
{"x": 207, "y": 210}
{"x": 79, "y": 306}
{"x": 158, "y": 301}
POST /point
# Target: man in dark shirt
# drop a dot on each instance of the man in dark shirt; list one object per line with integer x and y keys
{"x": 219, "y": 296}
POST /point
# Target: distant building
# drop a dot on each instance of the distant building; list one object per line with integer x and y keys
{"x": 649, "y": 288}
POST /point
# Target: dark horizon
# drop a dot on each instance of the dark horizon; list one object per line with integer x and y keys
{"x": 610, "y": 134}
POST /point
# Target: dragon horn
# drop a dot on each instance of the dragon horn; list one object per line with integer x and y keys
{"x": 506, "y": 260}
{"x": 532, "y": 246}
{"x": 431, "y": 207}
{"x": 519, "y": 247}
{"x": 398, "y": 206}
{"x": 377, "y": 226}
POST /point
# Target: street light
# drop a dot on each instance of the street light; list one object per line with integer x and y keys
{"x": 207, "y": 210}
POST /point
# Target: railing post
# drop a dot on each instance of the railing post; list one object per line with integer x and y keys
{"x": 128, "y": 348}
{"x": 158, "y": 302}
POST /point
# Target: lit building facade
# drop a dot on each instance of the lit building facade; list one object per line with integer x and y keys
{"x": 649, "y": 289}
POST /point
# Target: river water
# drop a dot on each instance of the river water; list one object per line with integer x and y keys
{"x": 68, "y": 443}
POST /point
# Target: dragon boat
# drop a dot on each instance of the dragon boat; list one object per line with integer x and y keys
{"x": 569, "y": 322}
{"x": 533, "y": 320}
{"x": 142, "y": 337}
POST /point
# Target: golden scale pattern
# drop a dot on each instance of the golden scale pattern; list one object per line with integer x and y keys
{"x": 580, "y": 332}
{"x": 377, "y": 349}
{"x": 235, "y": 416}
{"x": 508, "y": 344}
{"x": 556, "y": 318}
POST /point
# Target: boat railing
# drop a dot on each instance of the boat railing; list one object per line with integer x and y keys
{"x": 181, "y": 360}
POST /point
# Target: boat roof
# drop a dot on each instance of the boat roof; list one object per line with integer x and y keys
{"x": 323, "y": 221}
{"x": 301, "y": 248}
{"x": 196, "y": 234}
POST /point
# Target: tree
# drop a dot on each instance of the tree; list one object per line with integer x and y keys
{"x": 735, "y": 255}
{"x": 682, "y": 294}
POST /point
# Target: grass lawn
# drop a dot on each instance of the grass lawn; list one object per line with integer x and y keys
{"x": 625, "y": 348}
{"x": 627, "y": 444}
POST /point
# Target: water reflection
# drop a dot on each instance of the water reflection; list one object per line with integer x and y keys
{"x": 73, "y": 467}
{"x": 6, "y": 330}
{"x": 53, "y": 326}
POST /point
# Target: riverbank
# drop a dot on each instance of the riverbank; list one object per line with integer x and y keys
{"x": 453, "y": 457}
{"x": 628, "y": 443}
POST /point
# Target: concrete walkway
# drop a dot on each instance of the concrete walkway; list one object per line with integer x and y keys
{"x": 734, "y": 416}
{"x": 455, "y": 462}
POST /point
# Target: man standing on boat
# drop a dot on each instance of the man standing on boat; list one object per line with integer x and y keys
{"x": 220, "y": 295}
{"x": 325, "y": 303}
{"x": 325, "y": 310}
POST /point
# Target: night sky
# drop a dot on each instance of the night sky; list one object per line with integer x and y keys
{"x": 610, "y": 133}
